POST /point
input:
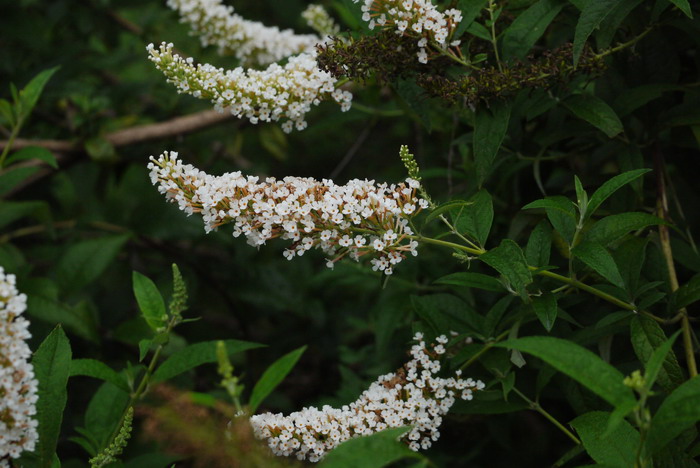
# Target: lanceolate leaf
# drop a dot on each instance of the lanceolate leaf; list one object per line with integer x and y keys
{"x": 611, "y": 186}
{"x": 528, "y": 27}
{"x": 508, "y": 259}
{"x": 476, "y": 218}
{"x": 647, "y": 336}
{"x": 688, "y": 293}
{"x": 375, "y": 451}
{"x": 52, "y": 367}
{"x": 611, "y": 228}
{"x": 545, "y": 307}
{"x": 596, "y": 112}
{"x": 539, "y": 245}
{"x": 597, "y": 257}
{"x": 578, "y": 363}
{"x": 619, "y": 448}
{"x": 195, "y": 355}
{"x": 679, "y": 411}
{"x": 592, "y": 14}
{"x": 684, "y": 6}
{"x": 273, "y": 376}
{"x": 33, "y": 152}
{"x": 31, "y": 93}
{"x": 98, "y": 370}
{"x": 490, "y": 127}
{"x": 150, "y": 301}
{"x": 560, "y": 212}
{"x": 472, "y": 280}
{"x": 654, "y": 364}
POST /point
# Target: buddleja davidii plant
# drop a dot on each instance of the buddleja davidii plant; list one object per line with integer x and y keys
{"x": 609, "y": 249}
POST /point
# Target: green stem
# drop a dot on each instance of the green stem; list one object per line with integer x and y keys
{"x": 548, "y": 274}
{"x": 379, "y": 112}
{"x": 8, "y": 146}
{"x": 536, "y": 406}
{"x": 494, "y": 41}
{"x": 627, "y": 44}
{"x": 483, "y": 350}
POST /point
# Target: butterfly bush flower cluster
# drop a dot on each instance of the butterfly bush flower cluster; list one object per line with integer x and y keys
{"x": 414, "y": 17}
{"x": 18, "y": 387}
{"x": 251, "y": 42}
{"x": 276, "y": 93}
{"x": 412, "y": 396}
{"x": 319, "y": 20}
{"x": 360, "y": 218}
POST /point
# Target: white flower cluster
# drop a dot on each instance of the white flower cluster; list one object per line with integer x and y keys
{"x": 356, "y": 219}
{"x": 250, "y": 41}
{"x": 414, "y": 17}
{"x": 276, "y": 93}
{"x": 412, "y": 396}
{"x": 319, "y": 20}
{"x": 18, "y": 387}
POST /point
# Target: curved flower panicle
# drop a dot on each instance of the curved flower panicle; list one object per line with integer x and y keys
{"x": 414, "y": 17}
{"x": 250, "y": 41}
{"x": 18, "y": 387}
{"x": 356, "y": 219}
{"x": 276, "y": 93}
{"x": 412, "y": 396}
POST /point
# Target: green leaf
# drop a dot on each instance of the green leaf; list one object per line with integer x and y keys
{"x": 528, "y": 27}
{"x": 104, "y": 413}
{"x": 415, "y": 101}
{"x": 100, "y": 149}
{"x": 545, "y": 308}
{"x": 561, "y": 212}
{"x": 12, "y": 177}
{"x": 445, "y": 312}
{"x": 508, "y": 259}
{"x": 444, "y": 208}
{"x": 647, "y": 336}
{"x": 7, "y": 113}
{"x": 619, "y": 448}
{"x": 195, "y": 355}
{"x": 33, "y": 152}
{"x": 273, "y": 376}
{"x": 679, "y": 411}
{"x": 596, "y": 112}
{"x": 494, "y": 315}
{"x": 472, "y": 280}
{"x": 611, "y": 186}
{"x": 471, "y": 9}
{"x": 55, "y": 312}
{"x": 613, "y": 227}
{"x": 539, "y": 245}
{"x": 475, "y": 218}
{"x": 31, "y": 93}
{"x": 150, "y": 301}
{"x": 578, "y": 363}
{"x": 98, "y": 370}
{"x": 631, "y": 99}
{"x": 85, "y": 261}
{"x": 373, "y": 451}
{"x": 52, "y": 367}
{"x": 490, "y": 126}
{"x": 11, "y": 211}
{"x": 629, "y": 258}
{"x": 599, "y": 259}
{"x": 654, "y": 364}
{"x": 592, "y": 14}
{"x": 144, "y": 347}
{"x": 684, "y": 6}
{"x": 688, "y": 293}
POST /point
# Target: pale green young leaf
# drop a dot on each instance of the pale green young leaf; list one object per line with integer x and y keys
{"x": 445, "y": 208}
{"x": 7, "y": 113}
{"x": 581, "y": 197}
{"x": 490, "y": 126}
{"x": 619, "y": 448}
{"x": 599, "y": 259}
{"x": 592, "y": 14}
{"x": 528, "y": 27}
{"x": 33, "y": 152}
{"x": 611, "y": 186}
{"x": 545, "y": 308}
{"x": 679, "y": 411}
{"x": 596, "y": 112}
{"x": 578, "y": 363}
{"x": 98, "y": 370}
{"x": 374, "y": 451}
{"x": 195, "y": 355}
{"x": 273, "y": 376}
{"x": 51, "y": 363}
{"x": 150, "y": 301}
{"x": 508, "y": 259}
